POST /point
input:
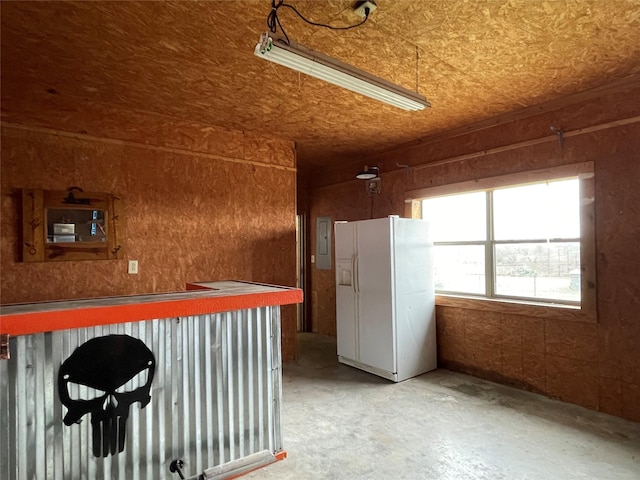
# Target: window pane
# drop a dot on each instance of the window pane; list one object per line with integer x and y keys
{"x": 541, "y": 211}
{"x": 457, "y": 218}
{"x": 459, "y": 268}
{"x": 539, "y": 270}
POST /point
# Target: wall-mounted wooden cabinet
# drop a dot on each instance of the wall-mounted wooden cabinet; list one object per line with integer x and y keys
{"x": 70, "y": 225}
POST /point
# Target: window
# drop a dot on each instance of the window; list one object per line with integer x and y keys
{"x": 514, "y": 242}
{"x": 459, "y": 233}
{"x": 524, "y": 238}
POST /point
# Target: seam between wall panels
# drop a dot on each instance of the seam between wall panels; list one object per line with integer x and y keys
{"x": 504, "y": 148}
{"x": 529, "y": 143}
{"x": 129, "y": 143}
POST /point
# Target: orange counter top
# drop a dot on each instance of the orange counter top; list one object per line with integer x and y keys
{"x": 202, "y": 298}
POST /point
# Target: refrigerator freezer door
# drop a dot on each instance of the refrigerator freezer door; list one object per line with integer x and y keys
{"x": 374, "y": 283}
{"x": 346, "y": 302}
{"x": 345, "y": 239}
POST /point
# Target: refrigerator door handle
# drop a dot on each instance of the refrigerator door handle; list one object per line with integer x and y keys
{"x": 356, "y": 275}
{"x": 353, "y": 273}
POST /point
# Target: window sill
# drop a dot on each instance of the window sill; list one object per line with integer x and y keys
{"x": 530, "y": 309}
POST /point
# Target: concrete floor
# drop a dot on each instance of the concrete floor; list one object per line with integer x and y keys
{"x": 342, "y": 423}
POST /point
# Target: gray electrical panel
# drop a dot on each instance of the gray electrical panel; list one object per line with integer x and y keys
{"x": 323, "y": 243}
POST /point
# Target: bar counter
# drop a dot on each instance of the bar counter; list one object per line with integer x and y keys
{"x": 161, "y": 386}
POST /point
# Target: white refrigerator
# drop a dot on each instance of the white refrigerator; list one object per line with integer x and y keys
{"x": 385, "y": 302}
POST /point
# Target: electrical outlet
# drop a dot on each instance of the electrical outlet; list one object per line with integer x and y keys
{"x": 133, "y": 267}
{"x": 361, "y": 8}
{"x": 313, "y": 259}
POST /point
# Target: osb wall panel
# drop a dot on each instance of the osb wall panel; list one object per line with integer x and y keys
{"x": 50, "y": 109}
{"x": 599, "y": 106}
{"x": 594, "y": 365}
{"x": 188, "y": 218}
{"x": 546, "y": 356}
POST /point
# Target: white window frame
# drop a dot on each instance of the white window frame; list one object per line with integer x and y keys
{"x": 586, "y": 310}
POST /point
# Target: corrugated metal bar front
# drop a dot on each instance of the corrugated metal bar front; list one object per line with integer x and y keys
{"x": 215, "y": 397}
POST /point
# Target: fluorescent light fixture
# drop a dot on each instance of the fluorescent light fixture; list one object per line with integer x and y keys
{"x": 302, "y": 59}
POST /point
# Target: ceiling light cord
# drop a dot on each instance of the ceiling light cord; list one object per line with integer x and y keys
{"x": 417, "y": 66}
{"x": 273, "y": 22}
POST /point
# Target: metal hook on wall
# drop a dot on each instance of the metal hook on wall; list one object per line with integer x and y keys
{"x": 71, "y": 198}
{"x": 560, "y": 133}
{"x": 406, "y": 168}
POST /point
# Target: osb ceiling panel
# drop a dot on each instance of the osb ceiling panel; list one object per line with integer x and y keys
{"x": 194, "y": 61}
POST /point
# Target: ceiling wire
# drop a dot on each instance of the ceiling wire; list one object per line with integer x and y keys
{"x": 273, "y": 22}
{"x": 417, "y": 69}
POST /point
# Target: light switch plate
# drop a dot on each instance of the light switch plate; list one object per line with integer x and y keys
{"x": 133, "y": 267}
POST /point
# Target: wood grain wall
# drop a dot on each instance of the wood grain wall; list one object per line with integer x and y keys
{"x": 596, "y": 365}
{"x": 201, "y": 203}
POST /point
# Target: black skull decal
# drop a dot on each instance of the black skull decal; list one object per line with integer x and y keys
{"x": 112, "y": 372}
